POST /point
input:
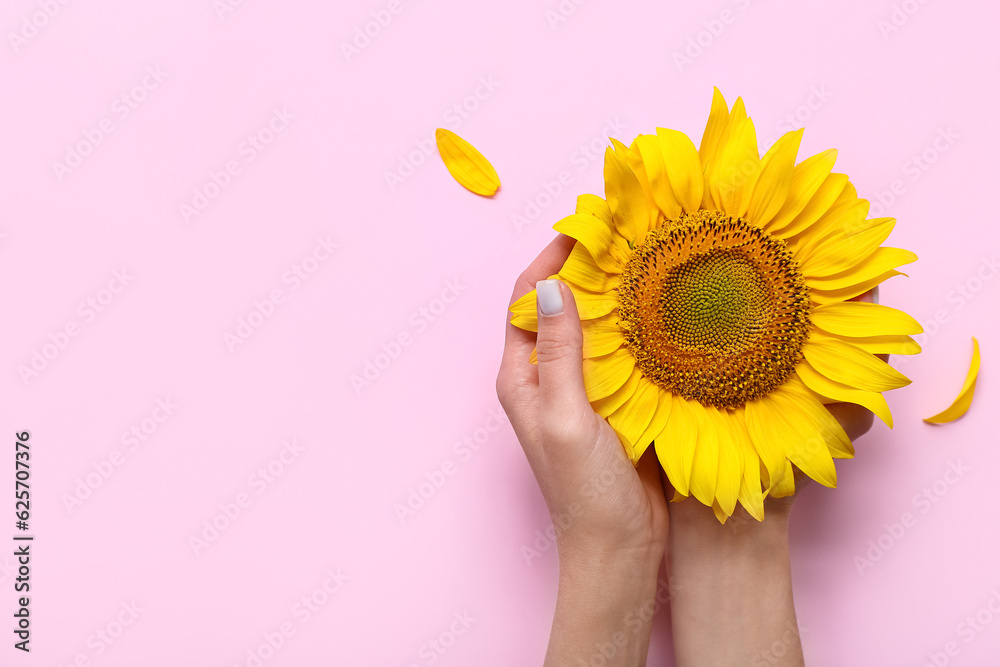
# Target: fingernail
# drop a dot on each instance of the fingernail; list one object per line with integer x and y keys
{"x": 550, "y": 301}
{"x": 875, "y": 295}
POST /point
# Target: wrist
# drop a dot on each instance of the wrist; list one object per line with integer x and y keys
{"x": 605, "y": 606}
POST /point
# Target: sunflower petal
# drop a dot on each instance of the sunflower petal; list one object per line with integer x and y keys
{"x": 850, "y": 365}
{"x": 524, "y": 312}
{"x": 603, "y": 375}
{"x": 807, "y": 178}
{"x": 775, "y": 178}
{"x": 596, "y": 237}
{"x": 843, "y": 250}
{"x": 737, "y": 170}
{"x": 727, "y": 488}
{"x": 705, "y": 469}
{"x": 801, "y": 441}
{"x": 593, "y": 205}
{"x": 882, "y": 261}
{"x": 675, "y": 448}
{"x": 466, "y": 164}
{"x": 817, "y": 206}
{"x": 632, "y": 418}
{"x": 828, "y": 388}
{"x": 626, "y": 199}
{"x": 601, "y": 336}
{"x": 881, "y": 344}
{"x": 607, "y": 405}
{"x": 763, "y": 439}
{"x": 582, "y": 270}
{"x": 751, "y": 496}
{"x": 808, "y": 405}
{"x": 860, "y": 319}
{"x": 656, "y": 172}
{"x": 717, "y": 119}
{"x": 657, "y": 424}
{"x": 784, "y": 485}
{"x": 964, "y": 400}
{"x": 680, "y": 158}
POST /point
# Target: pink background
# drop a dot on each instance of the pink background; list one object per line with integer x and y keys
{"x": 883, "y": 97}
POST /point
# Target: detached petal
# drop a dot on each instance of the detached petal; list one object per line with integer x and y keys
{"x": 467, "y": 165}
{"x": 964, "y": 400}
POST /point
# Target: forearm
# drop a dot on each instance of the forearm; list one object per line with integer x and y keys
{"x": 732, "y": 590}
{"x": 604, "y": 610}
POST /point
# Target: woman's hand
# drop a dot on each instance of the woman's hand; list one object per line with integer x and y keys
{"x": 610, "y": 517}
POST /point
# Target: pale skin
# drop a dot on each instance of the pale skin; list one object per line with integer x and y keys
{"x": 730, "y": 586}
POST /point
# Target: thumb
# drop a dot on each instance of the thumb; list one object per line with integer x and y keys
{"x": 560, "y": 351}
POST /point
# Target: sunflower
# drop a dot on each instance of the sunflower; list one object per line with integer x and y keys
{"x": 716, "y": 292}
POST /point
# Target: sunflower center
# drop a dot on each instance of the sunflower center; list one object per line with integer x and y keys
{"x": 714, "y": 309}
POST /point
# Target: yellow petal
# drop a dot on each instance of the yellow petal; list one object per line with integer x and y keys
{"x": 807, "y": 178}
{"x": 842, "y": 250}
{"x": 675, "y": 448}
{"x": 860, "y": 319}
{"x": 705, "y": 469}
{"x": 802, "y": 443}
{"x": 603, "y": 375}
{"x": 601, "y": 336}
{"x": 775, "y": 178}
{"x": 837, "y": 391}
{"x": 818, "y": 205}
{"x": 737, "y": 170}
{"x": 964, "y": 400}
{"x": 656, "y": 172}
{"x": 628, "y": 203}
{"x": 881, "y": 344}
{"x": 581, "y": 270}
{"x": 607, "y": 405}
{"x": 880, "y": 263}
{"x": 751, "y": 496}
{"x": 784, "y": 485}
{"x": 850, "y": 365}
{"x": 680, "y": 158}
{"x": 768, "y": 446}
{"x": 467, "y": 165}
{"x": 657, "y": 424}
{"x": 596, "y": 237}
{"x": 594, "y": 206}
{"x": 727, "y": 488}
{"x": 525, "y": 312}
{"x": 632, "y": 418}
{"x": 808, "y": 405}
{"x": 717, "y": 119}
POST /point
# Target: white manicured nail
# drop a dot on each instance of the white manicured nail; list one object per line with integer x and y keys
{"x": 550, "y": 301}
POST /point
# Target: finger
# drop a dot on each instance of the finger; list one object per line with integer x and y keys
{"x": 560, "y": 352}
{"x": 856, "y": 420}
{"x": 518, "y": 343}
